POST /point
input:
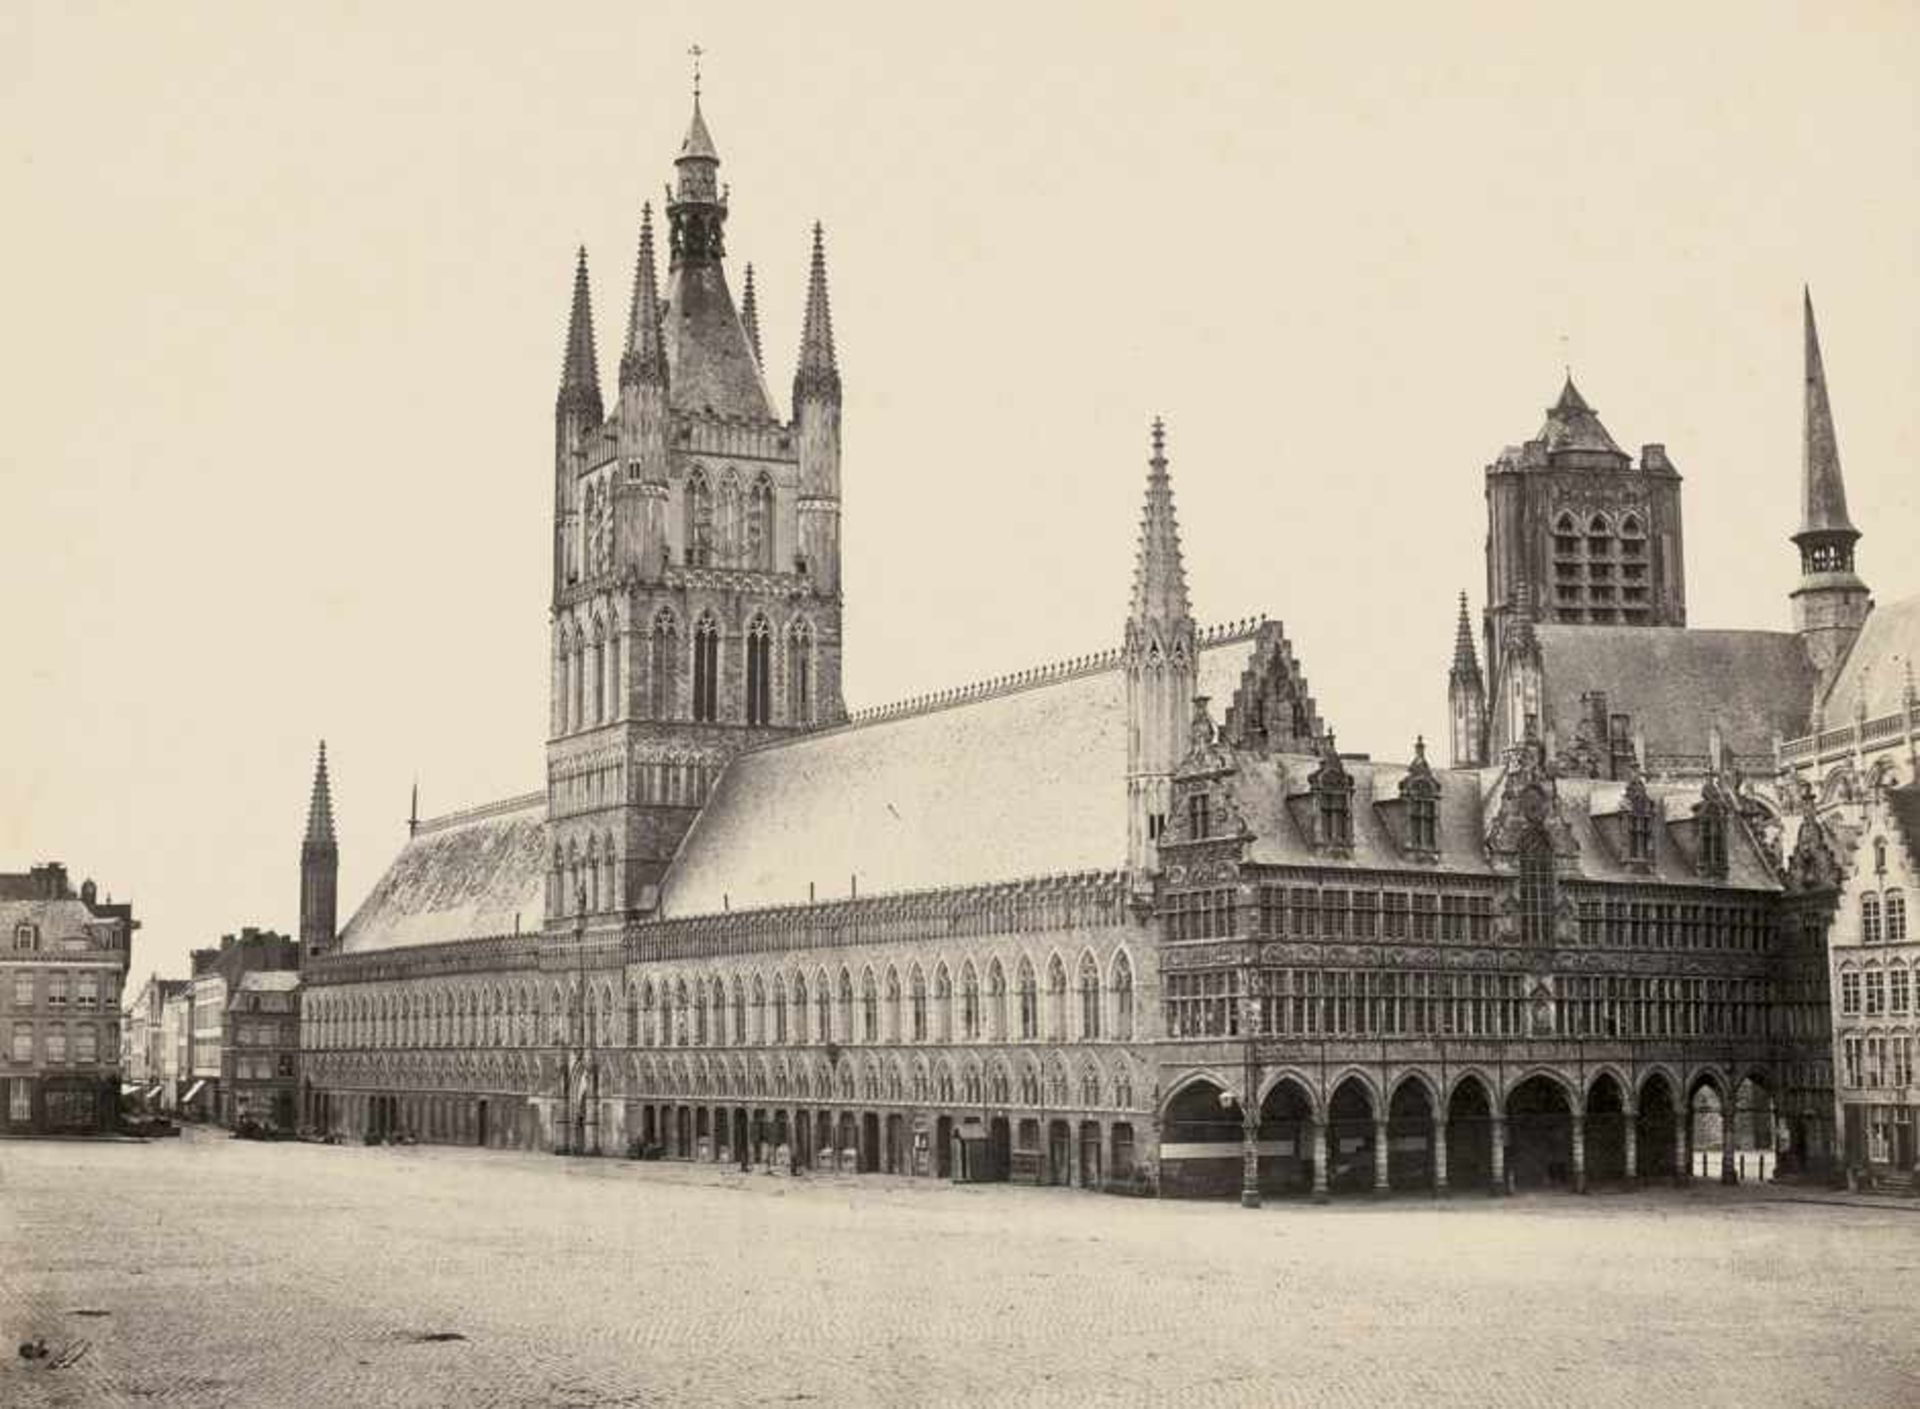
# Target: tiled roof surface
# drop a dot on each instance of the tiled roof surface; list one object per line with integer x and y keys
{"x": 1677, "y": 681}
{"x": 710, "y": 362}
{"x": 1468, "y": 802}
{"x": 269, "y": 980}
{"x": 55, "y": 919}
{"x": 1875, "y": 669}
{"x": 480, "y": 874}
{"x": 1026, "y": 783}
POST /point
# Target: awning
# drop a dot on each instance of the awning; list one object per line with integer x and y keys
{"x": 154, "y": 1090}
{"x": 192, "y": 1091}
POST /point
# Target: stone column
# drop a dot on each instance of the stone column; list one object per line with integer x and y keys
{"x": 1683, "y": 1148}
{"x": 1630, "y": 1135}
{"x": 1579, "y": 1153}
{"x": 1319, "y": 1161}
{"x": 1727, "y": 1174}
{"x": 1249, "y": 1154}
{"x": 1499, "y": 1150}
{"x": 1381, "y": 1183}
{"x": 1440, "y": 1156}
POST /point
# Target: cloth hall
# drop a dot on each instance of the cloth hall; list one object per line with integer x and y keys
{"x": 1131, "y": 920}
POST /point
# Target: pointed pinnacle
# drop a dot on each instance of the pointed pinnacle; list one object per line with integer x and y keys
{"x": 750, "y": 316}
{"x": 320, "y": 804}
{"x": 1160, "y": 574}
{"x": 1823, "y": 499}
{"x": 580, "y": 368}
{"x": 818, "y": 373}
{"x": 1466, "y": 663}
{"x": 644, "y": 362}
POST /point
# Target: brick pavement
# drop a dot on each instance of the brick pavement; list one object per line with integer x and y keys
{"x": 241, "y": 1274}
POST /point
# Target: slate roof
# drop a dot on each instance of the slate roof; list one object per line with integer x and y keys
{"x": 1029, "y": 782}
{"x": 473, "y": 874}
{"x": 1675, "y": 681}
{"x": 1875, "y": 669}
{"x": 1468, "y": 801}
{"x": 66, "y": 918}
{"x": 269, "y": 981}
{"x": 711, "y": 367}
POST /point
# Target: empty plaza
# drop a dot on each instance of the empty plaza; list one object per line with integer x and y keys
{"x": 209, "y": 1271}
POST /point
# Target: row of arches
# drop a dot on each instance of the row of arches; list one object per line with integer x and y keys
{"x": 728, "y": 524}
{"x": 993, "y": 999}
{"x": 1542, "y": 1128}
{"x": 685, "y": 668}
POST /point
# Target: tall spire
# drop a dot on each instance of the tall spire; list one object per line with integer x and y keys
{"x": 1823, "y": 503}
{"x": 1466, "y": 662}
{"x": 1159, "y": 575}
{"x": 644, "y": 363}
{"x": 580, "y": 369}
{"x": 320, "y": 806}
{"x": 818, "y": 374}
{"x": 750, "y": 315}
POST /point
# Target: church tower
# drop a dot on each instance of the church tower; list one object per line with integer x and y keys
{"x": 696, "y": 594}
{"x": 1831, "y": 603}
{"x": 1592, "y": 538}
{"x": 1159, "y": 659}
{"x": 319, "y": 867}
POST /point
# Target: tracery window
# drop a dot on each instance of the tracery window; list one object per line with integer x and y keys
{"x": 943, "y": 1004}
{"x": 1713, "y": 840}
{"x": 892, "y": 1025}
{"x": 760, "y": 525}
{"x": 727, "y": 530}
{"x": 869, "y": 1009}
{"x": 1123, "y": 998}
{"x": 917, "y": 989}
{"x": 664, "y": 667}
{"x": 1089, "y": 999}
{"x": 1029, "y": 1003}
{"x": 759, "y": 671}
{"x": 699, "y": 520}
{"x": 706, "y": 670}
{"x": 969, "y": 1005}
{"x": 800, "y": 673}
{"x": 1056, "y": 1000}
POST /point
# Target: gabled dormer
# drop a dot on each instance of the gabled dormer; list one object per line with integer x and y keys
{"x": 1204, "y": 806}
{"x": 1412, "y": 816}
{"x": 1705, "y": 837}
{"x": 1324, "y": 811}
{"x": 1630, "y": 829}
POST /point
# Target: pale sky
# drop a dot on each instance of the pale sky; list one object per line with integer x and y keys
{"x": 286, "y": 289}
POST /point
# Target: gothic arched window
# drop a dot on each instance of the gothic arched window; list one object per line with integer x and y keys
{"x": 760, "y": 525}
{"x": 1089, "y": 1000}
{"x": 800, "y": 1009}
{"x": 800, "y": 673}
{"x": 706, "y": 670}
{"x": 969, "y": 1004}
{"x": 1536, "y": 886}
{"x": 759, "y": 671}
{"x": 1123, "y": 998}
{"x": 1029, "y": 1003}
{"x": 996, "y": 1020}
{"x": 727, "y": 530}
{"x": 942, "y": 1005}
{"x": 893, "y": 1005}
{"x": 1713, "y": 839}
{"x": 917, "y": 991}
{"x": 699, "y": 505}
{"x": 1056, "y": 1000}
{"x": 665, "y": 665}
{"x": 869, "y": 1008}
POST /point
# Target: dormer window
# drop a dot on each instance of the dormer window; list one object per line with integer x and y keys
{"x": 1332, "y": 800}
{"x": 1423, "y": 823}
{"x": 1640, "y": 817}
{"x": 1336, "y": 819}
{"x": 1537, "y": 897}
{"x": 1197, "y": 818}
{"x": 1713, "y": 840}
{"x": 25, "y": 936}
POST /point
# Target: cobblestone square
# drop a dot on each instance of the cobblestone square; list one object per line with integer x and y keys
{"x": 213, "y": 1272}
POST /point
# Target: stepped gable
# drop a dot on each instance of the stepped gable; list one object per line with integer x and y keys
{"x": 469, "y": 875}
{"x": 1873, "y": 680}
{"x": 1676, "y": 682}
{"x": 1018, "y": 777}
{"x": 1271, "y": 708}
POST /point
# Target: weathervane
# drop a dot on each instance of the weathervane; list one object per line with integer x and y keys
{"x": 696, "y": 51}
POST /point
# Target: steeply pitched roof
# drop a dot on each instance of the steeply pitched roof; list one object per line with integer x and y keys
{"x": 711, "y": 363}
{"x": 1823, "y": 492}
{"x": 65, "y": 918}
{"x": 1571, "y": 424}
{"x": 1468, "y": 800}
{"x": 269, "y": 981}
{"x": 1875, "y": 671}
{"x": 476, "y": 873}
{"x": 1027, "y": 782}
{"x": 1677, "y": 682}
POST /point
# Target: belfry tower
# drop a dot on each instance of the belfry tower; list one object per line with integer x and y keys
{"x": 696, "y": 602}
{"x": 319, "y": 867}
{"x": 1831, "y": 603}
{"x": 1159, "y": 658}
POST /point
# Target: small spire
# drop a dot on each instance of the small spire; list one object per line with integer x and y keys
{"x": 644, "y": 363}
{"x": 1466, "y": 661}
{"x": 818, "y": 373}
{"x": 580, "y": 369}
{"x": 1823, "y": 503}
{"x": 1160, "y": 574}
{"x": 750, "y": 315}
{"x": 320, "y": 805}
{"x": 1522, "y": 637}
{"x": 413, "y": 810}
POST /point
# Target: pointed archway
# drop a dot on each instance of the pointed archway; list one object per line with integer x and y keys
{"x": 1540, "y": 1134}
